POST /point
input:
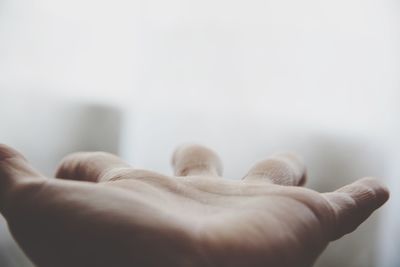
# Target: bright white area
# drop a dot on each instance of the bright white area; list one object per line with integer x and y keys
{"x": 246, "y": 77}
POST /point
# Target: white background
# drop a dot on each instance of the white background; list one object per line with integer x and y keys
{"x": 239, "y": 75}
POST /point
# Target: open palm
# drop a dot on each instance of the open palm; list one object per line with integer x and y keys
{"x": 102, "y": 212}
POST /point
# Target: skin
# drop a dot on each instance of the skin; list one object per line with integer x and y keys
{"x": 102, "y": 212}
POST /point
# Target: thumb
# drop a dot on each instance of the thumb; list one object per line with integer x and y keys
{"x": 354, "y": 203}
{"x": 15, "y": 173}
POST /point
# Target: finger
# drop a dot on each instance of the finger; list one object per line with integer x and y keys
{"x": 89, "y": 166}
{"x": 354, "y": 203}
{"x": 283, "y": 169}
{"x": 196, "y": 160}
{"x": 15, "y": 171}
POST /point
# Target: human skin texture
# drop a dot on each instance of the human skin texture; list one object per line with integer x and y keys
{"x": 101, "y": 212}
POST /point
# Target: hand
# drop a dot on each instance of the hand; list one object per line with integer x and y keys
{"x": 102, "y": 212}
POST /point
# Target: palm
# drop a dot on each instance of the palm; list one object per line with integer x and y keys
{"x": 141, "y": 218}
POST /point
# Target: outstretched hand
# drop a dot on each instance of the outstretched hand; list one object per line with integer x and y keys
{"x": 101, "y": 212}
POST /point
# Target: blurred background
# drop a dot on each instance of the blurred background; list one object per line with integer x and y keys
{"x": 248, "y": 78}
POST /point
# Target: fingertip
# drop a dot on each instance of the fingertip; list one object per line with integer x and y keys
{"x": 281, "y": 168}
{"x": 380, "y": 191}
{"x": 297, "y": 164}
{"x": 188, "y": 150}
{"x": 7, "y": 152}
{"x": 14, "y": 165}
{"x": 354, "y": 203}
{"x": 88, "y": 166}
{"x": 68, "y": 162}
{"x": 191, "y": 159}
